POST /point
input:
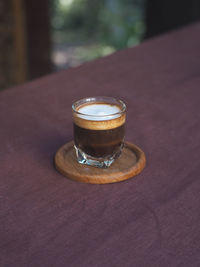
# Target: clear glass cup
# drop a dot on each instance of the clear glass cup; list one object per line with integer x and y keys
{"x": 99, "y": 128}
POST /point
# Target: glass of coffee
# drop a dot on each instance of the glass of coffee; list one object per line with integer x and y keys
{"x": 99, "y": 126}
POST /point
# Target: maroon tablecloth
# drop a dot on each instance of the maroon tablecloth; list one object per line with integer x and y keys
{"x": 150, "y": 220}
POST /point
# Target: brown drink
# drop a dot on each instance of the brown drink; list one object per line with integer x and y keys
{"x": 98, "y": 143}
{"x": 98, "y": 130}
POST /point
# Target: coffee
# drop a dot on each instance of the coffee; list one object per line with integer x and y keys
{"x": 99, "y": 129}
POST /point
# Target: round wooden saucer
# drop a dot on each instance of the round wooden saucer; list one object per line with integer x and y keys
{"x": 130, "y": 163}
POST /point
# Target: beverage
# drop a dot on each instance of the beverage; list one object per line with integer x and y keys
{"x": 99, "y": 126}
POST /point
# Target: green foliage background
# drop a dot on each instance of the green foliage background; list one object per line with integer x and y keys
{"x": 104, "y": 25}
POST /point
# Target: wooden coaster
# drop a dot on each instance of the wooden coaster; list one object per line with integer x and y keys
{"x": 130, "y": 163}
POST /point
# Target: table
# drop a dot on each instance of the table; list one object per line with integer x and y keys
{"x": 152, "y": 219}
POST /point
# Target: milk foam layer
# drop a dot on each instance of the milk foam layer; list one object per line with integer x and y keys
{"x": 99, "y": 116}
{"x": 99, "y": 112}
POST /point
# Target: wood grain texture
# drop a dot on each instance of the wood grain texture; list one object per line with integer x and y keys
{"x": 131, "y": 162}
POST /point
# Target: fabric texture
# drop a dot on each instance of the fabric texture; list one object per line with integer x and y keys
{"x": 152, "y": 219}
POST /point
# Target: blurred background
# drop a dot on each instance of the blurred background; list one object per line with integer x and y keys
{"x": 40, "y": 37}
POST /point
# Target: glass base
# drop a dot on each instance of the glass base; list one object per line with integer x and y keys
{"x": 86, "y": 159}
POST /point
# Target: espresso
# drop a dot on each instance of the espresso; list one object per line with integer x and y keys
{"x": 99, "y": 129}
{"x": 98, "y": 143}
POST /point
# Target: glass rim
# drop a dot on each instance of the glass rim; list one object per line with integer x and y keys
{"x": 95, "y": 98}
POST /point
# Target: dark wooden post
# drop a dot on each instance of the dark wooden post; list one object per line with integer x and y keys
{"x": 38, "y": 37}
{"x": 162, "y": 16}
